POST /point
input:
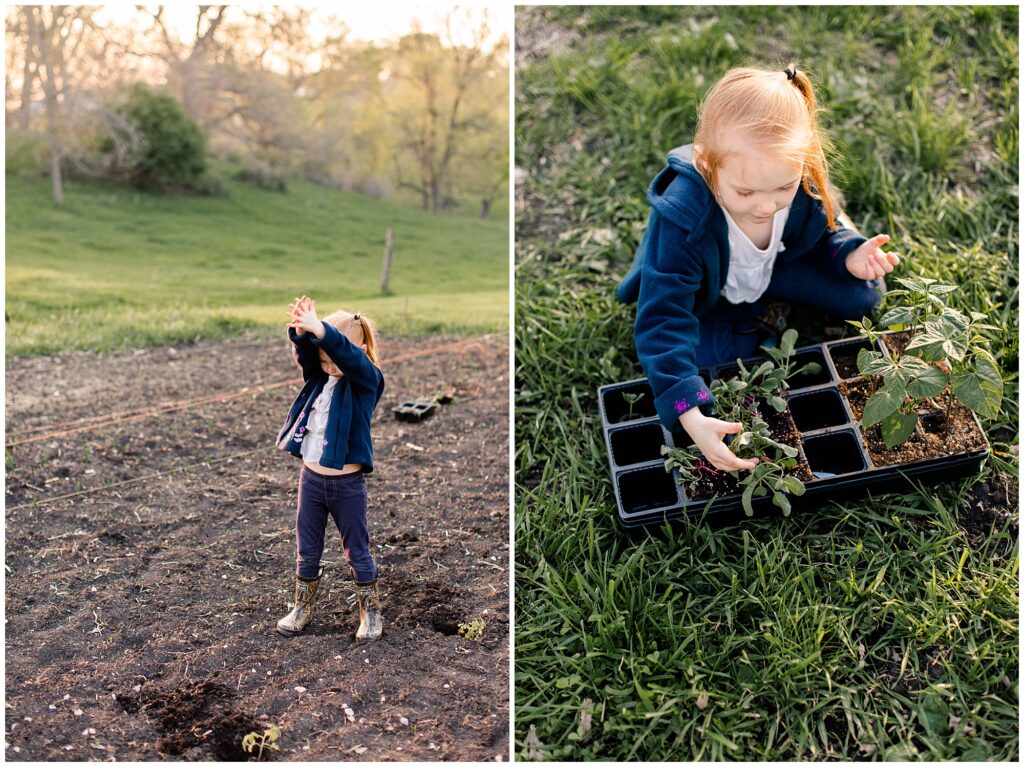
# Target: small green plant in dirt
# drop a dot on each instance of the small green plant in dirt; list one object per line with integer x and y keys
{"x": 946, "y": 348}
{"x": 739, "y": 399}
{"x": 631, "y": 401}
{"x": 265, "y": 740}
{"x": 775, "y": 459}
{"x": 474, "y": 629}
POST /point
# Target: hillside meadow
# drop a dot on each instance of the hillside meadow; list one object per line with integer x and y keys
{"x": 116, "y": 268}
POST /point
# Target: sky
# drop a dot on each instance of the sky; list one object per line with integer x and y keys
{"x": 370, "y": 21}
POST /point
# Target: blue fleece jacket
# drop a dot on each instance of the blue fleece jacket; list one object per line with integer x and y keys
{"x": 347, "y": 436}
{"x": 680, "y": 268}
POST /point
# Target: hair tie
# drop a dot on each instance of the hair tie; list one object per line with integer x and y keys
{"x": 355, "y": 316}
{"x": 790, "y": 72}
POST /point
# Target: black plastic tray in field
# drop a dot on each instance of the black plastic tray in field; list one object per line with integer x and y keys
{"x": 415, "y": 410}
{"x": 833, "y": 445}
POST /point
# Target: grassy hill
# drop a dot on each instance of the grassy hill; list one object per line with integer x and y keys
{"x": 116, "y": 268}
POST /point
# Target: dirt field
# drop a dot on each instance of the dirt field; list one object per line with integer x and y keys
{"x": 140, "y": 615}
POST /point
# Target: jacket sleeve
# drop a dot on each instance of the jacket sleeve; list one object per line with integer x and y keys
{"x": 352, "y": 360}
{"x": 304, "y": 354}
{"x": 833, "y": 247}
{"x": 667, "y": 331}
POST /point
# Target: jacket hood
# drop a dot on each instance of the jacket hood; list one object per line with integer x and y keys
{"x": 680, "y": 193}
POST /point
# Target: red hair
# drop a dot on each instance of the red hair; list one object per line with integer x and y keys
{"x": 776, "y": 113}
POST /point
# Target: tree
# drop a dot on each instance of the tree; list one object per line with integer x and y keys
{"x": 54, "y": 35}
{"x": 429, "y": 106}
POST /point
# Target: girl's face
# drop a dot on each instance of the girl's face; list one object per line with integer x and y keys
{"x": 327, "y": 366}
{"x": 753, "y": 186}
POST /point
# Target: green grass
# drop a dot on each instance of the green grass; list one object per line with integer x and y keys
{"x": 885, "y": 628}
{"x": 116, "y": 268}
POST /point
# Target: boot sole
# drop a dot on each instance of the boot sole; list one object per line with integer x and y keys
{"x": 286, "y": 633}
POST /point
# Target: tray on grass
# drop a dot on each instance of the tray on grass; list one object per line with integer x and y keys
{"x": 833, "y": 444}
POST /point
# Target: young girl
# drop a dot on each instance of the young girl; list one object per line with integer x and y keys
{"x": 328, "y": 427}
{"x": 743, "y": 216}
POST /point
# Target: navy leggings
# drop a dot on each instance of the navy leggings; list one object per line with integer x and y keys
{"x": 342, "y": 496}
{"x": 730, "y": 330}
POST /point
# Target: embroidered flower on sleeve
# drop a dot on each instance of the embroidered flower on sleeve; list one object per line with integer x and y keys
{"x": 702, "y": 395}
{"x": 682, "y": 405}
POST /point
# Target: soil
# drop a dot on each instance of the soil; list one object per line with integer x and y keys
{"x": 930, "y": 440}
{"x": 846, "y": 364}
{"x": 896, "y": 342}
{"x": 141, "y": 615}
{"x": 711, "y": 481}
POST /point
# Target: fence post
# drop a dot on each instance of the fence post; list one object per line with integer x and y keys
{"x": 389, "y": 244}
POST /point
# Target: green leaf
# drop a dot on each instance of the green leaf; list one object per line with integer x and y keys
{"x": 980, "y": 389}
{"x": 747, "y": 500}
{"x": 882, "y": 404}
{"x": 777, "y": 402}
{"x": 782, "y": 502}
{"x": 793, "y": 485}
{"x": 872, "y": 363}
{"x": 909, "y": 283}
{"x": 900, "y": 315}
{"x": 929, "y": 383}
{"x": 897, "y": 428}
{"x": 788, "y": 342}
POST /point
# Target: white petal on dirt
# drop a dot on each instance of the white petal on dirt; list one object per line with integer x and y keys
{"x": 414, "y": 447}
{"x": 349, "y": 713}
{"x": 67, "y": 697}
{"x": 300, "y": 689}
{"x": 78, "y": 712}
{"x": 533, "y": 745}
{"x": 404, "y": 721}
{"x": 53, "y": 707}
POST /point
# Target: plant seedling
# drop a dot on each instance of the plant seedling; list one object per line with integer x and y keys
{"x": 266, "y": 740}
{"x": 940, "y": 334}
{"x": 738, "y": 399}
{"x": 474, "y": 629}
{"x": 689, "y": 463}
{"x": 922, "y": 302}
{"x": 631, "y": 400}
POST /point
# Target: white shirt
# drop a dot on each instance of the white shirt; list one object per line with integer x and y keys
{"x": 316, "y": 424}
{"x": 750, "y": 267}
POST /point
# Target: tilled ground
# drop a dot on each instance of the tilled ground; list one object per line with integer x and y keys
{"x": 142, "y": 595}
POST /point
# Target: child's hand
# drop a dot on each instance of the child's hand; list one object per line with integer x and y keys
{"x": 869, "y": 261}
{"x": 302, "y": 316}
{"x": 707, "y": 434}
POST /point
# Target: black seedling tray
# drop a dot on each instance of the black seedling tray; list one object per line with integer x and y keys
{"x": 646, "y": 494}
{"x": 415, "y": 411}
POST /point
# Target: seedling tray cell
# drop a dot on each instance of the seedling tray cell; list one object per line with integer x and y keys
{"x": 833, "y": 445}
{"x": 818, "y": 409}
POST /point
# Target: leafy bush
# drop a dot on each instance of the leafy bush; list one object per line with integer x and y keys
{"x": 156, "y": 145}
{"x": 263, "y": 178}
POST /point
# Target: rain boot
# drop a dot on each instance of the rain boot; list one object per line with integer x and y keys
{"x": 371, "y": 622}
{"x": 302, "y": 613}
